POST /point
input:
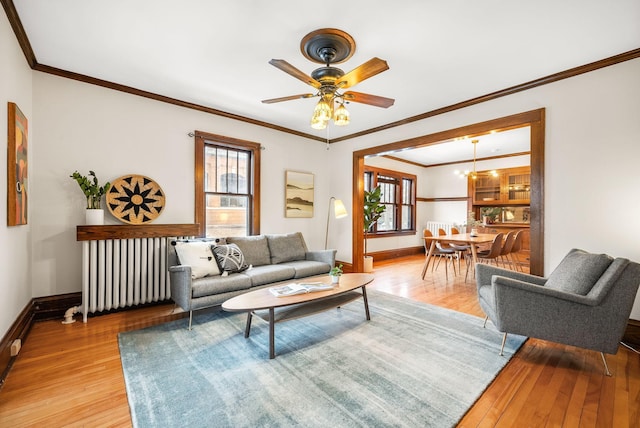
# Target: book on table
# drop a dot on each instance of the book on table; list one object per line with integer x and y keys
{"x": 300, "y": 288}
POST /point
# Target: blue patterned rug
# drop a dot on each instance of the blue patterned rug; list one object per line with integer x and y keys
{"x": 412, "y": 365}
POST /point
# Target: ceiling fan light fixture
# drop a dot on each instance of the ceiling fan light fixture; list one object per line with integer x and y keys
{"x": 341, "y": 117}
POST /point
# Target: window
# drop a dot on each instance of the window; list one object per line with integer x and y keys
{"x": 398, "y": 194}
{"x": 227, "y": 186}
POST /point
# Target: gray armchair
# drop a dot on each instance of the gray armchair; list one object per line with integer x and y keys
{"x": 585, "y": 302}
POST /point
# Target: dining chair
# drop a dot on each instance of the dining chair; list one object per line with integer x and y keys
{"x": 462, "y": 250}
{"x": 515, "y": 250}
{"x": 491, "y": 254}
{"x": 440, "y": 252}
{"x": 507, "y": 247}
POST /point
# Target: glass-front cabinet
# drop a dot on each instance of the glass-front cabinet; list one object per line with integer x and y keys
{"x": 511, "y": 186}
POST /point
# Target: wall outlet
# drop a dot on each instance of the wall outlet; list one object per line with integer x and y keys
{"x": 15, "y": 347}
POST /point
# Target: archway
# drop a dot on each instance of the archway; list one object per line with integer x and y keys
{"x": 534, "y": 119}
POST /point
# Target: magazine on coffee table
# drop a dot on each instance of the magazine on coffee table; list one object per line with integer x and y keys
{"x": 300, "y": 288}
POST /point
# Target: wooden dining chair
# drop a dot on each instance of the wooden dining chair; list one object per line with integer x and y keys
{"x": 515, "y": 250}
{"x": 507, "y": 248}
{"x": 438, "y": 251}
{"x": 462, "y": 250}
{"x": 491, "y": 254}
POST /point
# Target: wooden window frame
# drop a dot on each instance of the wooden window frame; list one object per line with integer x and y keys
{"x": 400, "y": 176}
{"x": 201, "y": 139}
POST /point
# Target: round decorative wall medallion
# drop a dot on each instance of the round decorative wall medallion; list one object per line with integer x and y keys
{"x": 135, "y": 199}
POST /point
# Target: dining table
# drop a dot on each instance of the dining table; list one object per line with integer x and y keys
{"x": 458, "y": 238}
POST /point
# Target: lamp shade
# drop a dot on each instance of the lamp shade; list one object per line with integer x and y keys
{"x": 339, "y": 209}
{"x": 341, "y": 117}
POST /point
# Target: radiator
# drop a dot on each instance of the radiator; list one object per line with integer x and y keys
{"x": 434, "y": 226}
{"x": 118, "y": 273}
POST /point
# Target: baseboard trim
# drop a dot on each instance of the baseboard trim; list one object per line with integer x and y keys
{"x": 395, "y": 253}
{"x": 18, "y": 330}
{"x": 632, "y": 334}
{"x": 38, "y": 309}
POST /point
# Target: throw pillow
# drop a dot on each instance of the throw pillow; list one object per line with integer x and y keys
{"x": 230, "y": 258}
{"x": 254, "y": 248}
{"x": 199, "y": 256}
{"x": 285, "y": 248}
{"x": 578, "y": 272}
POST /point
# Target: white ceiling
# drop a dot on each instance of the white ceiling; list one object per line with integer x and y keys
{"x": 488, "y": 146}
{"x": 216, "y": 53}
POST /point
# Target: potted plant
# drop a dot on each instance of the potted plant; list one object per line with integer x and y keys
{"x": 93, "y": 192}
{"x": 373, "y": 210}
{"x": 335, "y": 273}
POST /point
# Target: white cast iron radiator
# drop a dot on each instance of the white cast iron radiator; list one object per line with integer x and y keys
{"x": 434, "y": 226}
{"x": 117, "y": 273}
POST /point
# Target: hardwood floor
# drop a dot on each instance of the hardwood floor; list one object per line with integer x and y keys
{"x": 70, "y": 375}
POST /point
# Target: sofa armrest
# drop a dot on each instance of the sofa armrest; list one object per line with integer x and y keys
{"x": 325, "y": 256}
{"x": 180, "y": 281}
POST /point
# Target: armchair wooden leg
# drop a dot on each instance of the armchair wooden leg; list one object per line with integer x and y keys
{"x": 606, "y": 366}
{"x": 504, "y": 340}
{"x": 190, "y": 319}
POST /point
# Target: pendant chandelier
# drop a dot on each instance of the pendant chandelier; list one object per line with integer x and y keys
{"x": 474, "y": 174}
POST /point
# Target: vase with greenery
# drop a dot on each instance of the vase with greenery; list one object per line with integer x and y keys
{"x": 373, "y": 210}
{"x": 336, "y": 273}
{"x": 91, "y": 188}
{"x": 472, "y": 223}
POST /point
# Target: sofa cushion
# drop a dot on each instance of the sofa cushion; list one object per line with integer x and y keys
{"x": 269, "y": 273}
{"x": 255, "y": 249}
{"x": 199, "y": 256}
{"x": 287, "y": 247}
{"x": 578, "y": 272}
{"x": 306, "y": 268}
{"x": 230, "y": 258}
{"x": 220, "y": 284}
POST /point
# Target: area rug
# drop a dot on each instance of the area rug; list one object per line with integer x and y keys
{"x": 412, "y": 365}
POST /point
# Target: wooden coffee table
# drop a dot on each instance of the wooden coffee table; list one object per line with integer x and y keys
{"x": 275, "y": 309}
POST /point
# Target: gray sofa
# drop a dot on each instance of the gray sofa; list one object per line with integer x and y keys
{"x": 272, "y": 259}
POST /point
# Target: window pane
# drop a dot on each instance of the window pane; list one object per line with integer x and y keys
{"x": 210, "y": 169}
{"x": 226, "y": 215}
{"x": 243, "y": 172}
{"x": 406, "y": 217}
{"x": 221, "y": 170}
{"x": 387, "y": 221}
{"x": 406, "y": 190}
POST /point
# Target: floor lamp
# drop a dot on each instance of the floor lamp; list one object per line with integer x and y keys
{"x": 339, "y": 211}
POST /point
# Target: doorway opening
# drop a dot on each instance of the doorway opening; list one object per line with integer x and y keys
{"x": 533, "y": 119}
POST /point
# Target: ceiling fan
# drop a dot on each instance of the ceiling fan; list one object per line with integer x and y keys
{"x": 331, "y": 46}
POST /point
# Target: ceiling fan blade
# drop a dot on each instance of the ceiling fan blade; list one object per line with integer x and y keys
{"x": 374, "y": 100}
{"x": 291, "y": 70}
{"x": 289, "y": 98}
{"x": 362, "y": 72}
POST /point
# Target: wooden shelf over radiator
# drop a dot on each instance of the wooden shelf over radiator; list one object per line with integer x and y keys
{"x": 129, "y": 231}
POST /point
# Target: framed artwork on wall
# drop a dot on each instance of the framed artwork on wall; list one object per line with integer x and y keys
{"x": 298, "y": 194}
{"x": 17, "y": 163}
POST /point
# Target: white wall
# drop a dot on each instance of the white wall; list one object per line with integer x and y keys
{"x": 592, "y": 151}
{"x": 87, "y": 127}
{"x": 15, "y": 86}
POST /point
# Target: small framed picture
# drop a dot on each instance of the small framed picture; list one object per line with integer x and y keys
{"x": 298, "y": 194}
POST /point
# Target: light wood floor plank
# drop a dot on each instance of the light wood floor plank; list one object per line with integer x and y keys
{"x": 70, "y": 375}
